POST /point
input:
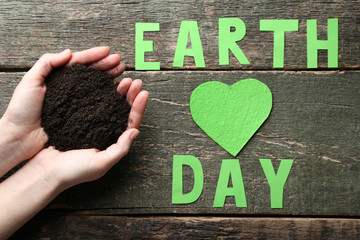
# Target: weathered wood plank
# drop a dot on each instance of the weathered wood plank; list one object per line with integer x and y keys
{"x": 120, "y": 227}
{"x": 31, "y": 28}
{"x": 315, "y": 121}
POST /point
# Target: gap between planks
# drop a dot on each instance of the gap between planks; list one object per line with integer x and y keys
{"x": 25, "y": 69}
{"x": 112, "y": 212}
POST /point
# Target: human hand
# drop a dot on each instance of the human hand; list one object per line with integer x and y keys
{"x": 66, "y": 169}
{"x": 49, "y": 171}
{"x": 21, "y": 123}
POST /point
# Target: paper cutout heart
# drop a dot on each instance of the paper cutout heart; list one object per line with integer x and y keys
{"x": 230, "y": 115}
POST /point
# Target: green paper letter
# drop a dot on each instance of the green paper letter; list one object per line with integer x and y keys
{"x": 230, "y": 167}
{"x": 189, "y": 29}
{"x": 276, "y": 180}
{"x": 279, "y": 27}
{"x": 177, "y": 185}
{"x": 142, "y": 46}
{"x": 331, "y": 44}
{"x": 228, "y": 39}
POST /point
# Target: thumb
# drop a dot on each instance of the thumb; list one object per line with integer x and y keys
{"x": 43, "y": 67}
{"x": 115, "y": 152}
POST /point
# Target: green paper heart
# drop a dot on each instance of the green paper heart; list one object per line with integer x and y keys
{"x": 230, "y": 115}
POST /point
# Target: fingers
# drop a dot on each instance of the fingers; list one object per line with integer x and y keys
{"x": 111, "y": 64}
{"x": 137, "y": 99}
{"x": 89, "y": 56}
{"x": 118, "y": 150}
{"x": 124, "y": 86}
{"x": 138, "y": 109}
{"x": 107, "y": 63}
{"x": 133, "y": 91}
{"x": 117, "y": 70}
{"x": 45, "y": 65}
{"x": 99, "y": 59}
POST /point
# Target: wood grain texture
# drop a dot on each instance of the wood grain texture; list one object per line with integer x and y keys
{"x": 315, "y": 121}
{"x": 120, "y": 227}
{"x": 31, "y": 28}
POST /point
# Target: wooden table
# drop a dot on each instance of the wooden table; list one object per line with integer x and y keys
{"x": 315, "y": 120}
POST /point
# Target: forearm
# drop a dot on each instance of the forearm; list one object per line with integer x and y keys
{"x": 23, "y": 195}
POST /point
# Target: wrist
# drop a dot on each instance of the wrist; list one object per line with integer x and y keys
{"x": 44, "y": 174}
{"x": 4, "y": 136}
{"x": 48, "y": 166}
{"x": 18, "y": 144}
{"x": 9, "y": 149}
{"x": 7, "y": 140}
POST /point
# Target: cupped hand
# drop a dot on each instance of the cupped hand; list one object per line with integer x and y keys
{"x": 22, "y": 119}
{"x": 49, "y": 171}
{"x": 66, "y": 169}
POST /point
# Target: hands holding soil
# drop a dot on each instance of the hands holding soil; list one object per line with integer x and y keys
{"x": 49, "y": 171}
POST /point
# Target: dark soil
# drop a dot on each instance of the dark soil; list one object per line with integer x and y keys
{"x": 82, "y": 109}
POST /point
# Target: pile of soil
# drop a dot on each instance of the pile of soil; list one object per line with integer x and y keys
{"x": 82, "y": 109}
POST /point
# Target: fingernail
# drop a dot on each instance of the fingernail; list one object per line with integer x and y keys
{"x": 65, "y": 52}
{"x": 134, "y": 134}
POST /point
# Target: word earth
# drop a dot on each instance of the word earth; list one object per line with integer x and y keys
{"x": 228, "y": 42}
{"x": 229, "y": 168}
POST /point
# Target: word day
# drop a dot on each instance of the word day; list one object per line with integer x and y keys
{"x": 230, "y": 170}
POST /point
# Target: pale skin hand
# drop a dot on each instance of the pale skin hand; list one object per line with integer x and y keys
{"x": 49, "y": 171}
